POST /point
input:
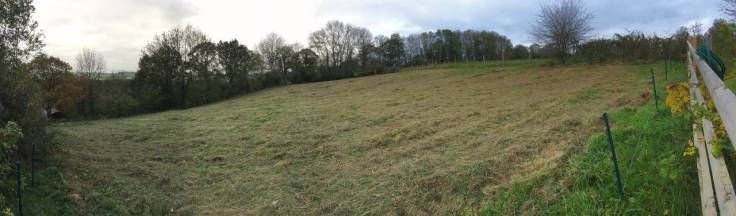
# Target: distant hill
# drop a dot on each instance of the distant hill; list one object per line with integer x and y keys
{"x": 127, "y": 75}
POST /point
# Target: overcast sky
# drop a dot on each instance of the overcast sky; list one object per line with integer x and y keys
{"x": 120, "y": 28}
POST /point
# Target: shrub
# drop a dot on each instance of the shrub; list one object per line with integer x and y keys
{"x": 9, "y": 136}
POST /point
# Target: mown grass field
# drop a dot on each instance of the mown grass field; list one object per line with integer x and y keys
{"x": 434, "y": 140}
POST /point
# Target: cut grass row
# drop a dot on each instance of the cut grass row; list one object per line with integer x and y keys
{"x": 657, "y": 178}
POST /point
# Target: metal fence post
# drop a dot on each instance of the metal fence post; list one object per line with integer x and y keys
{"x": 654, "y": 89}
{"x": 19, "y": 187}
{"x": 613, "y": 156}
{"x": 666, "y": 67}
{"x": 33, "y": 158}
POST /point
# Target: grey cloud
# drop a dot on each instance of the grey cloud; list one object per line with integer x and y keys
{"x": 120, "y": 28}
{"x": 513, "y": 18}
{"x": 175, "y": 11}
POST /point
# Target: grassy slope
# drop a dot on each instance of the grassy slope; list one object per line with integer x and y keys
{"x": 657, "y": 178}
{"x": 432, "y": 140}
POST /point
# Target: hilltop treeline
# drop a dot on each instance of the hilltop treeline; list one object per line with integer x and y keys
{"x": 183, "y": 67}
{"x": 634, "y": 47}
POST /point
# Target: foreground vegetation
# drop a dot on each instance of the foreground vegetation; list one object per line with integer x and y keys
{"x": 426, "y": 141}
{"x": 657, "y": 178}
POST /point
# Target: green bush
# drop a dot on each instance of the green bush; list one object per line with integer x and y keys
{"x": 9, "y": 136}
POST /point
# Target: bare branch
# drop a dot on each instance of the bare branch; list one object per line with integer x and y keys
{"x": 563, "y": 25}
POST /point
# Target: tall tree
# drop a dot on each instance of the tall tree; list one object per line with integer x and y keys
{"x": 20, "y": 100}
{"x": 269, "y": 48}
{"x": 307, "y": 68}
{"x": 363, "y": 43}
{"x": 563, "y": 25}
{"x": 206, "y": 68}
{"x": 393, "y": 51}
{"x": 337, "y": 43}
{"x": 520, "y": 52}
{"x": 90, "y": 65}
{"x": 183, "y": 39}
{"x": 413, "y": 48}
{"x": 156, "y": 83}
{"x": 237, "y": 61}
{"x": 177, "y": 42}
{"x": 60, "y": 87}
{"x": 286, "y": 60}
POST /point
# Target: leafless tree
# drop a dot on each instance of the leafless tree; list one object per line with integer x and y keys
{"x": 270, "y": 47}
{"x": 91, "y": 65}
{"x": 284, "y": 57}
{"x": 696, "y": 28}
{"x": 338, "y": 42}
{"x": 329, "y": 43}
{"x": 413, "y": 45}
{"x": 563, "y": 25}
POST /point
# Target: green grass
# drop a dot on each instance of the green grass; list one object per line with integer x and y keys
{"x": 426, "y": 141}
{"x": 49, "y": 194}
{"x": 584, "y": 95}
{"x": 657, "y": 178}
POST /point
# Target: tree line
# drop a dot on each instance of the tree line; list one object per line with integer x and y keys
{"x": 184, "y": 67}
{"x": 635, "y": 47}
{"x": 564, "y": 30}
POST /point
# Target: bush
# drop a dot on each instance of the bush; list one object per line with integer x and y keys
{"x": 9, "y": 136}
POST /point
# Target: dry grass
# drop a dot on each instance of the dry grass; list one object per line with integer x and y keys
{"x": 426, "y": 141}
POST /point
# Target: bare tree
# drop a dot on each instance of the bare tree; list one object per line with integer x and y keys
{"x": 696, "y": 28}
{"x": 413, "y": 46}
{"x": 269, "y": 47}
{"x": 91, "y": 65}
{"x": 284, "y": 57}
{"x": 338, "y": 42}
{"x": 563, "y": 25}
